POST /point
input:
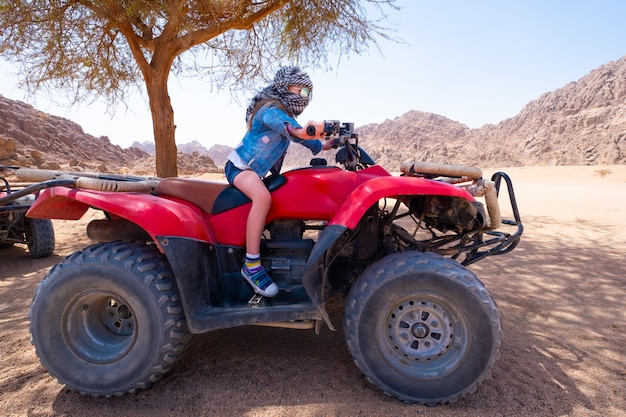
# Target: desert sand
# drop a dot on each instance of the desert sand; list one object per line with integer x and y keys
{"x": 561, "y": 295}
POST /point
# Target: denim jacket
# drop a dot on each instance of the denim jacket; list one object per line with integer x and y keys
{"x": 265, "y": 144}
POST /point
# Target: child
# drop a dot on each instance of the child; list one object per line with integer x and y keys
{"x": 271, "y": 127}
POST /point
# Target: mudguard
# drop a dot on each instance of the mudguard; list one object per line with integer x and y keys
{"x": 363, "y": 197}
{"x": 353, "y": 209}
{"x": 156, "y": 215}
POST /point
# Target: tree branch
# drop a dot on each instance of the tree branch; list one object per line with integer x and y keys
{"x": 236, "y": 22}
{"x": 135, "y": 43}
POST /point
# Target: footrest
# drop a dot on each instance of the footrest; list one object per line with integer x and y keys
{"x": 255, "y": 300}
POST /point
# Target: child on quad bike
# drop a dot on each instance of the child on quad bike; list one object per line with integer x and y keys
{"x": 271, "y": 127}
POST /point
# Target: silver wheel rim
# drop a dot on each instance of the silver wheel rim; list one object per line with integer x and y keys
{"x": 423, "y": 336}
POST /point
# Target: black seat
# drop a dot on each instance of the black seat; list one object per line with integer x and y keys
{"x": 231, "y": 197}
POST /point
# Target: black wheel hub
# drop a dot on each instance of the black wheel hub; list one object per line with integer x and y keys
{"x": 118, "y": 318}
{"x": 420, "y": 330}
{"x": 99, "y": 327}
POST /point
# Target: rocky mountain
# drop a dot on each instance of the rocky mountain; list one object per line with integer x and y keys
{"x": 186, "y": 148}
{"x": 191, "y": 147}
{"x": 31, "y": 138}
{"x": 582, "y": 123}
{"x": 220, "y": 153}
{"x": 146, "y": 146}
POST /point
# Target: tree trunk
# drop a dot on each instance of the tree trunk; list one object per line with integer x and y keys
{"x": 163, "y": 126}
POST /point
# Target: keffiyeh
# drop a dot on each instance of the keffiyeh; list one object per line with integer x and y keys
{"x": 279, "y": 90}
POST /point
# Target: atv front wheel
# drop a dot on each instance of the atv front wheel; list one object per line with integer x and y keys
{"x": 39, "y": 235}
{"x": 422, "y": 328}
{"x": 108, "y": 320}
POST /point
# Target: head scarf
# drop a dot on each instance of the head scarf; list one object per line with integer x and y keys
{"x": 279, "y": 90}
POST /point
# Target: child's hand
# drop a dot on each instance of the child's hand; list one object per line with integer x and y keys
{"x": 315, "y": 129}
{"x": 328, "y": 144}
{"x": 311, "y": 130}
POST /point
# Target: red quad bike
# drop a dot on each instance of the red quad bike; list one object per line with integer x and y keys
{"x": 116, "y": 316}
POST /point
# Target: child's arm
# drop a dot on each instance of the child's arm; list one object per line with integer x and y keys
{"x": 303, "y": 132}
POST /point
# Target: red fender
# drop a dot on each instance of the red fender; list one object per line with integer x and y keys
{"x": 156, "y": 215}
{"x": 354, "y": 208}
{"x": 368, "y": 193}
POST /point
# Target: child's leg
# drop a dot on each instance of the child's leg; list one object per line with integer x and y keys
{"x": 252, "y": 186}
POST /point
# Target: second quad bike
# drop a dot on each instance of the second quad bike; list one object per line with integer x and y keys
{"x": 16, "y": 228}
{"x": 116, "y": 316}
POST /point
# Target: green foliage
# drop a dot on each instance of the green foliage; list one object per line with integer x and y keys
{"x": 86, "y": 47}
{"x": 110, "y": 49}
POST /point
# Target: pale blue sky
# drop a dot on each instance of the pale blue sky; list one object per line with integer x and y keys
{"x": 474, "y": 62}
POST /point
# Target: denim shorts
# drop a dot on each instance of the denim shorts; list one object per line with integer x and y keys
{"x": 231, "y": 171}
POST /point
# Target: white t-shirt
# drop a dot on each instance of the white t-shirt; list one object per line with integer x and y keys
{"x": 237, "y": 161}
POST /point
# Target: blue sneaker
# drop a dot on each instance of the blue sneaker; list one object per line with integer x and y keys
{"x": 261, "y": 282}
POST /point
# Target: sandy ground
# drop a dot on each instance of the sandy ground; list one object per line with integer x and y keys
{"x": 561, "y": 293}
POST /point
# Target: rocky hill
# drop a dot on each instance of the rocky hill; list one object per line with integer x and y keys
{"x": 582, "y": 123}
{"x": 186, "y": 148}
{"x": 146, "y": 146}
{"x": 31, "y": 138}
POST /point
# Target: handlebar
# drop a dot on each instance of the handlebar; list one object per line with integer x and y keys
{"x": 336, "y": 128}
{"x": 342, "y": 134}
{"x": 341, "y": 131}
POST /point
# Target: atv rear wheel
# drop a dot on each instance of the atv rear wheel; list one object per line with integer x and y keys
{"x": 422, "y": 328}
{"x": 39, "y": 235}
{"x": 108, "y": 320}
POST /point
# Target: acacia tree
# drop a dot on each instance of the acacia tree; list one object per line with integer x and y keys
{"x": 110, "y": 48}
